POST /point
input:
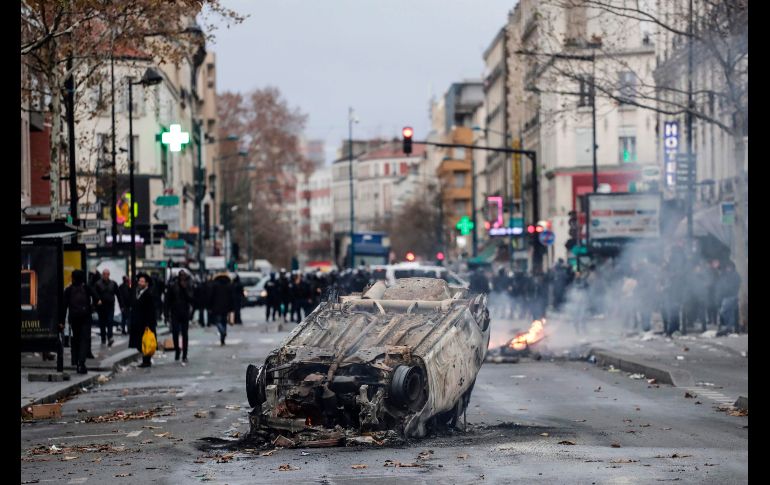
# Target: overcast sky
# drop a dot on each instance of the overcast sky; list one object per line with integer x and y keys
{"x": 383, "y": 58}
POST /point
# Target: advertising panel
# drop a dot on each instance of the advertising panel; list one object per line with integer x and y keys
{"x": 41, "y": 293}
{"x": 74, "y": 256}
{"x": 617, "y": 218}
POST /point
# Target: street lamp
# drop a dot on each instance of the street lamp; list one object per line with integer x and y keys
{"x": 351, "y": 119}
{"x": 150, "y": 78}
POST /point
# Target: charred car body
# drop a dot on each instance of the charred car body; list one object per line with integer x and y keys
{"x": 402, "y": 357}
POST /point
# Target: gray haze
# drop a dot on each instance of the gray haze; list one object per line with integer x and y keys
{"x": 382, "y": 58}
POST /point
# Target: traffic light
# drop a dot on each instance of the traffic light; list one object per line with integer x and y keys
{"x": 235, "y": 251}
{"x": 410, "y": 256}
{"x": 407, "y": 132}
{"x": 440, "y": 256}
{"x": 533, "y": 232}
{"x": 574, "y": 232}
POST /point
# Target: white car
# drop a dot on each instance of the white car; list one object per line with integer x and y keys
{"x": 391, "y": 272}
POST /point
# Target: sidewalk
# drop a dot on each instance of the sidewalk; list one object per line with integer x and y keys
{"x": 106, "y": 362}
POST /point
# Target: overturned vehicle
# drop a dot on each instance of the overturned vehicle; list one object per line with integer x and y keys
{"x": 401, "y": 357}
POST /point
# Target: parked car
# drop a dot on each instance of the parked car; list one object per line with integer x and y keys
{"x": 402, "y": 357}
{"x": 256, "y": 294}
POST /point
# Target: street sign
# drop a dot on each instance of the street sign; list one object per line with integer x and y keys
{"x": 506, "y": 231}
{"x": 175, "y": 138}
{"x": 97, "y": 238}
{"x": 45, "y": 210}
{"x": 728, "y": 213}
{"x": 167, "y": 200}
{"x": 95, "y": 223}
{"x": 579, "y": 250}
{"x": 546, "y": 238}
{"x": 167, "y": 213}
{"x": 174, "y": 251}
{"x": 174, "y": 243}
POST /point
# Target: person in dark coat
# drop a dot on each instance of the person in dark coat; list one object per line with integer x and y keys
{"x": 124, "y": 294}
{"x": 285, "y": 293}
{"x": 199, "y": 302}
{"x": 79, "y": 300}
{"x": 237, "y": 299}
{"x": 479, "y": 282}
{"x": 106, "y": 296}
{"x": 221, "y": 303}
{"x": 143, "y": 315}
{"x": 157, "y": 289}
{"x": 273, "y": 300}
{"x": 179, "y": 302}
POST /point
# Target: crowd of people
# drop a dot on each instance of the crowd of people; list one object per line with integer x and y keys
{"x": 688, "y": 293}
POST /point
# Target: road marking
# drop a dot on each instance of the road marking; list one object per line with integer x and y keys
{"x": 712, "y": 395}
{"x": 78, "y": 480}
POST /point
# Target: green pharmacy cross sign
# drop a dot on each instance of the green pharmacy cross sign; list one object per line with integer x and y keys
{"x": 175, "y": 138}
{"x": 464, "y": 225}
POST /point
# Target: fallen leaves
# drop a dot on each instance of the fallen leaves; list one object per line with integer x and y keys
{"x": 645, "y": 425}
{"x": 121, "y": 415}
{"x": 287, "y": 468}
{"x": 68, "y": 458}
{"x": 202, "y": 414}
{"x": 359, "y": 466}
{"x": 268, "y": 453}
{"x": 464, "y": 456}
{"x": 227, "y": 457}
{"x": 674, "y": 455}
{"x": 566, "y": 442}
{"x": 425, "y": 455}
{"x": 739, "y": 412}
{"x": 67, "y": 450}
{"x": 162, "y": 435}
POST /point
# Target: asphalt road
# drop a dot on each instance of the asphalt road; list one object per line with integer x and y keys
{"x": 521, "y": 422}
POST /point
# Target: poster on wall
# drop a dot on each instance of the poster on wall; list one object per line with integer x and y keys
{"x": 42, "y": 290}
{"x": 616, "y": 219}
{"x": 74, "y": 256}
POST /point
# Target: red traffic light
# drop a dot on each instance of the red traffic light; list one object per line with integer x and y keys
{"x": 407, "y": 132}
{"x": 440, "y": 256}
{"x": 410, "y": 256}
{"x": 531, "y": 229}
{"x": 539, "y": 228}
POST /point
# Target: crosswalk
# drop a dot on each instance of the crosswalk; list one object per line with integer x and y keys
{"x": 712, "y": 395}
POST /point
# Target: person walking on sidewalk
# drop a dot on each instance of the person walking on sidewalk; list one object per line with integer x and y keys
{"x": 221, "y": 303}
{"x": 124, "y": 299}
{"x": 273, "y": 299}
{"x": 179, "y": 304}
{"x": 199, "y": 302}
{"x": 79, "y": 301}
{"x": 237, "y": 299}
{"x": 142, "y": 315}
{"x": 106, "y": 294}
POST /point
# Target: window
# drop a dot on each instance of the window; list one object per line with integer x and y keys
{"x": 627, "y": 87}
{"x": 103, "y": 150}
{"x": 459, "y": 179}
{"x": 459, "y": 153}
{"x": 460, "y": 208}
{"x": 586, "y": 91}
{"x": 583, "y": 140}
{"x": 627, "y": 149}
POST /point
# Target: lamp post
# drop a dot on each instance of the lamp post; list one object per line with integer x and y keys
{"x": 351, "y": 120}
{"x": 250, "y": 206}
{"x": 151, "y": 77}
{"x": 226, "y": 218}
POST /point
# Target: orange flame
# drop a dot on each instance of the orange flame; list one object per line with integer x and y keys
{"x": 535, "y": 333}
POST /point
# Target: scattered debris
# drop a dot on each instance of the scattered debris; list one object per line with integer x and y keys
{"x": 680, "y": 357}
{"x": 68, "y": 458}
{"x": 646, "y": 425}
{"x": 624, "y": 460}
{"x": 121, "y": 415}
{"x": 42, "y": 411}
{"x": 652, "y": 381}
{"x": 227, "y": 457}
{"x": 613, "y": 369}
{"x": 304, "y": 453}
{"x": 233, "y": 407}
{"x": 566, "y": 442}
{"x": 738, "y": 412}
{"x": 122, "y": 475}
{"x": 359, "y": 466}
{"x": 425, "y": 455}
{"x": 688, "y": 395}
{"x": 615, "y": 445}
{"x": 665, "y": 429}
{"x": 675, "y": 455}
{"x": 685, "y": 349}
{"x": 464, "y": 456}
{"x": 163, "y": 435}
{"x": 698, "y": 402}
{"x": 636, "y": 376}
{"x": 267, "y": 453}
{"x": 579, "y": 420}
{"x": 283, "y": 442}
{"x": 286, "y": 467}
{"x": 102, "y": 379}
{"x": 598, "y": 389}
{"x": 544, "y": 434}
{"x": 202, "y": 414}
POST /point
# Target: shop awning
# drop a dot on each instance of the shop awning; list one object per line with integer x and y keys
{"x": 486, "y": 255}
{"x": 705, "y": 222}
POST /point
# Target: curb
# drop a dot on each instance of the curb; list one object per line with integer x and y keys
{"x": 659, "y": 372}
{"x": 742, "y": 403}
{"x": 110, "y": 365}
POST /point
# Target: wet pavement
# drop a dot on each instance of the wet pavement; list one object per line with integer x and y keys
{"x": 529, "y": 422}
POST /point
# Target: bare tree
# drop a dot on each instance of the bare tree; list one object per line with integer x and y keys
{"x": 716, "y": 31}
{"x": 64, "y": 39}
{"x": 414, "y": 227}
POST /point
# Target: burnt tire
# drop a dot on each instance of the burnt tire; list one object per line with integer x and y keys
{"x": 407, "y": 386}
{"x": 255, "y": 385}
